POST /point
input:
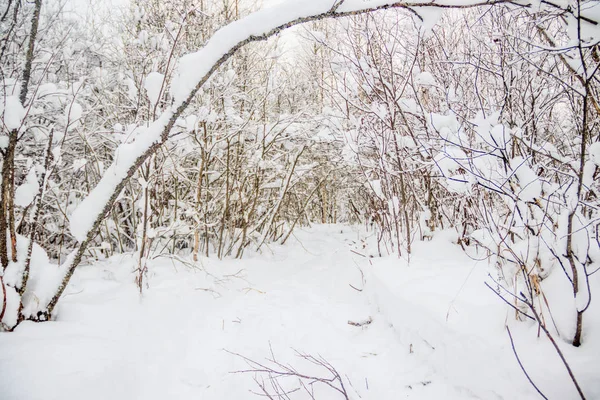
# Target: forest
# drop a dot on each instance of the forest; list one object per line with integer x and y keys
{"x": 299, "y": 199}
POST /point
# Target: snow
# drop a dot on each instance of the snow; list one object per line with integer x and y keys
{"x": 73, "y": 113}
{"x": 451, "y": 160}
{"x": 25, "y": 193}
{"x": 192, "y": 67}
{"x": 446, "y": 126}
{"x": 375, "y": 186}
{"x": 79, "y": 164}
{"x": 424, "y": 218}
{"x": 42, "y": 280}
{"x": 12, "y": 306}
{"x": 47, "y": 89}
{"x": 408, "y": 105}
{"x": 436, "y": 332}
{"x": 589, "y": 170}
{"x": 190, "y": 123}
{"x": 585, "y": 30}
{"x": 132, "y": 91}
{"x": 531, "y": 186}
{"x": 12, "y": 112}
{"x": 430, "y": 16}
{"x": 490, "y": 132}
{"x": 405, "y": 142}
{"x": 153, "y": 85}
{"x": 594, "y": 152}
{"x": 276, "y": 184}
{"x": 86, "y": 213}
{"x": 425, "y": 79}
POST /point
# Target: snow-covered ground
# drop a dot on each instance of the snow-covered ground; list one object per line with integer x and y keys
{"x": 437, "y": 332}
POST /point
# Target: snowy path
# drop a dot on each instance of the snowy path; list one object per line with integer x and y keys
{"x": 428, "y": 340}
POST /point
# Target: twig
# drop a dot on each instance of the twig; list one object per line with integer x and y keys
{"x": 4, "y": 301}
{"x": 275, "y": 370}
{"x": 355, "y": 288}
{"x": 357, "y": 253}
{"x": 213, "y": 292}
{"x": 512, "y": 343}
{"x": 558, "y": 351}
{"x": 507, "y": 302}
{"x": 361, "y": 323}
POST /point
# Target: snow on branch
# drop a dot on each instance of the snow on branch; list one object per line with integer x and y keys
{"x": 126, "y": 156}
{"x": 195, "y": 69}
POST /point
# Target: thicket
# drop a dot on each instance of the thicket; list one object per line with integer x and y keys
{"x": 408, "y": 120}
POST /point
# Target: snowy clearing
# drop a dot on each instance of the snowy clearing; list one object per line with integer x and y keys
{"x": 437, "y": 332}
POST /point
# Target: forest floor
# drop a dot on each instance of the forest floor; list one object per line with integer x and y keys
{"x": 437, "y": 331}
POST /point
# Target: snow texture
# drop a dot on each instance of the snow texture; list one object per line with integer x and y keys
{"x": 73, "y": 113}
{"x": 25, "y": 193}
{"x": 594, "y": 151}
{"x": 153, "y": 85}
{"x": 79, "y": 164}
{"x": 531, "y": 186}
{"x": 437, "y": 332}
{"x": 12, "y": 113}
{"x": 430, "y": 16}
{"x": 425, "y": 79}
{"x": 44, "y": 278}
